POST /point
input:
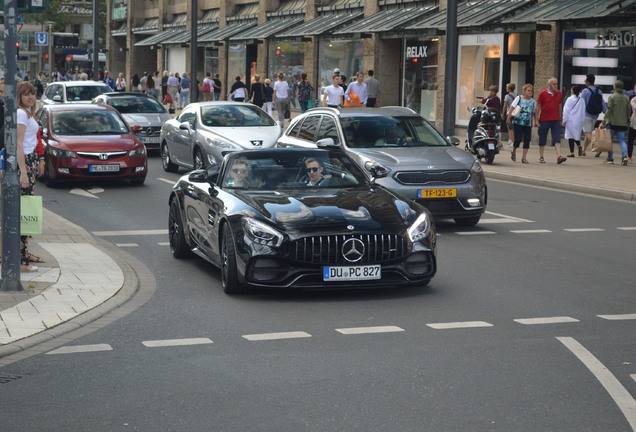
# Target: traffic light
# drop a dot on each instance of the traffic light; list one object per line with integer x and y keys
{"x": 17, "y": 49}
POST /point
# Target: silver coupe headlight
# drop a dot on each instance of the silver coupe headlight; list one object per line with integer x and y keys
{"x": 218, "y": 142}
{"x": 262, "y": 233}
{"x": 419, "y": 229}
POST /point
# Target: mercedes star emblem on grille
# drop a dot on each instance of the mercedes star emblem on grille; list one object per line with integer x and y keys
{"x": 353, "y": 250}
{"x": 350, "y": 227}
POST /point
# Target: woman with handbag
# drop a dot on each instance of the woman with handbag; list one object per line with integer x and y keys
{"x": 522, "y": 116}
{"x": 617, "y": 119}
{"x": 256, "y": 91}
{"x": 304, "y": 92}
{"x": 573, "y": 117}
{"x": 29, "y": 165}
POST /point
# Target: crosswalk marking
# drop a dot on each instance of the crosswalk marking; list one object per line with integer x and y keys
{"x": 276, "y": 336}
{"x": 546, "y": 320}
{"x": 81, "y": 349}
{"x": 176, "y": 342}
{"x": 461, "y": 324}
{"x": 369, "y": 330}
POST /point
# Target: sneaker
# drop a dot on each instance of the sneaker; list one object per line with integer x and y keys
{"x": 597, "y": 154}
{"x": 510, "y": 143}
{"x": 609, "y": 161}
{"x": 624, "y": 162}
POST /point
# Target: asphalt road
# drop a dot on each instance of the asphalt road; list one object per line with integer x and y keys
{"x": 528, "y": 326}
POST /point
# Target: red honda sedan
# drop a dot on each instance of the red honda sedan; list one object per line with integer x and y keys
{"x": 86, "y": 141}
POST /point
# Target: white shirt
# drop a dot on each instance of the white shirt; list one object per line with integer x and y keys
{"x": 357, "y": 89}
{"x": 334, "y": 95}
{"x": 30, "y": 133}
{"x": 281, "y": 88}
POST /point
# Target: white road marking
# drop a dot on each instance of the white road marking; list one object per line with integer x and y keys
{"x": 618, "y": 317}
{"x": 368, "y": 330}
{"x": 96, "y": 190}
{"x": 276, "y": 336}
{"x": 475, "y": 232}
{"x": 81, "y": 349}
{"x": 633, "y": 376}
{"x": 126, "y": 244}
{"x": 130, "y": 233}
{"x": 627, "y": 228}
{"x": 82, "y": 192}
{"x": 163, "y": 243}
{"x": 621, "y": 396}
{"x": 176, "y": 342}
{"x": 538, "y": 231}
{"x": 460, "y": 324}
{"x": 546, "y": 320}
{"x": 583, "y": 229}
{"x": 172, "y": 182}
{"x": 499, "y": 220}
{"x": 512, "y": 218}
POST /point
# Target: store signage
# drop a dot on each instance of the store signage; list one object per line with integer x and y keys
{"x": 119, "y": 9}
{"x": 418, "y": 51}
{"x": 618, "y": 38}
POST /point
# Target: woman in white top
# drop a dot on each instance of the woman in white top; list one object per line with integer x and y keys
{"x": 29, "y": 166}
{"x": 281, "y": 92}
{"x": 573, "y": 117}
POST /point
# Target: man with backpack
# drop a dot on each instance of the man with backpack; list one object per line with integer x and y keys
{"x": 594, "y": 106}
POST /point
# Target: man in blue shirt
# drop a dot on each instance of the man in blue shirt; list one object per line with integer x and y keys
{"x": 590, "y": 118}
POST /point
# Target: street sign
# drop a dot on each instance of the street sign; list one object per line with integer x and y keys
{"x": 41, "y": 39}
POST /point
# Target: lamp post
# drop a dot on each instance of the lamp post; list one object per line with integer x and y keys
{"x": 50, "y": 25}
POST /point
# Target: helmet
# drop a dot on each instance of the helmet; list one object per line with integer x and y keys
{"x": 488, "y": 116}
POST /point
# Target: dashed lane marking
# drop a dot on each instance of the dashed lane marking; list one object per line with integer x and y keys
{"x": 457, "y": 325}
{"x": 176, "y": 342}
{"x": 537, "y": 231}
{"x": 369, "y": 330}
{"x": 621, "y": 396}
{"x": 126, "y": 244}
{"x": 502, "y": 218}
{"x": 475, "y": 232}
{"x": 627, "y": 228}
{"x": 276, "y": 336}
{"x": 130, "y": 233}
{"x": 546, "y": 320}
{"x": 163, "y": 243}
{"x": 583, "y": 229}
{"x": 172, "y": 182}
{"x": 81, "y": 349}
{"x": 618, "y": 317}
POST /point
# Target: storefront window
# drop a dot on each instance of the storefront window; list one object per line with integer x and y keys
{"x": 479, "y": 67}
{"x": 286, "y": 57}
{"x": 211, "y": 61}
{"x": 420, "y": 77}
{"x": 344, "y": 55}
{"x": 236, "y": 62}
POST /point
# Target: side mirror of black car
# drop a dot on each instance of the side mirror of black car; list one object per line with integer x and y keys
{"x": 453, "y": 140}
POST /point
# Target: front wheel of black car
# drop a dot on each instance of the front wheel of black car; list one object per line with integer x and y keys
{"x": 176, "y": 233}
{"x": 468, "y": 222}
{"x": 229, "y": 278}
{"x": 167, "y": 164}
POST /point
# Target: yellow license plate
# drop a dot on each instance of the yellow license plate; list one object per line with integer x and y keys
{"x": 437, "y": 193}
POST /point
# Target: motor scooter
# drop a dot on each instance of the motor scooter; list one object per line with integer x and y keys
{"x": 483, "y": 134}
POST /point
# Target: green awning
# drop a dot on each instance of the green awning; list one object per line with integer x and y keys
{"x": 386, "y": 20}
{"x": 319, "y": 25}
{"x": 223, "y": 33}
{"x": 265, "y": 30}
{"x": 561, "y": 10}
{"x": 158, "y": 38}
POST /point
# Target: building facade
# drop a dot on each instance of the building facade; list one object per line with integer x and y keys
{"x": 500, "y": 41}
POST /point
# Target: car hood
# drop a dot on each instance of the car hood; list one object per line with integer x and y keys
{"x": 244, "y": 136}
{"x": 145, "y": 120}
{"x": 101, "y": 143}
{"x": 407, "y": 158}
{"x": 334, "y": 210}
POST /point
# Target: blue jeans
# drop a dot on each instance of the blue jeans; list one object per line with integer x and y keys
{"x": 620, "y": 137}
{"x": 303, "y": 105}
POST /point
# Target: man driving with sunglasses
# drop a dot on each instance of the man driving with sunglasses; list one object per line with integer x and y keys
{"x": 314, "y": 170}
{"x": 238, "y": 173}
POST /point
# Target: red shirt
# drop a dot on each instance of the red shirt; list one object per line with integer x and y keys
{"x": 550, "y": 105}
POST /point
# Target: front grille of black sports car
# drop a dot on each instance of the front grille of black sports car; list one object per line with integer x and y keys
{"x": 328, "y": 250}
{"x": 432, "y": 177}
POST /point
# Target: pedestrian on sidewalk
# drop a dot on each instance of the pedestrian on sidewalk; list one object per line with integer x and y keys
{"x": 268, "y": 97}
{"x": 304, "y": 92}
{"x": 594, "y": 106}
{"x": 522, "y": 123}
{"x": 256, "y": 91}
{"x": 549, "y": 115}
{"x": 617, "y": 118}
{"x": 510, "y": 96}
{"x": 573, "y": 117}
{"x": 356, "y": 93}
{"x": 184, "y": 91}
{"x": 281, "y": 97}
{"x": 332, "y": 96}
{"x": 173, "y": 88}
{"x": 238, "y": 91}
{"x": 207, "y": 87}
{"x": 373, "y": 90}
{"x": 632, "y": 128}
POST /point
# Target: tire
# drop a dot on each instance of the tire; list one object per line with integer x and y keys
{"x": 229, "y": 277}
{"x": 167, "y": 164}
{"x": 490, "y": 157}
{"x": 176, "y": 233}
{"x": 46, "y": 178}
{"x": 468, "y": 222}
{"x": 197, "y": 159}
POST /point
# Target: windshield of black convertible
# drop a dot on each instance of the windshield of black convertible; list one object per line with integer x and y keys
{"x": 380, "y": 131}
{"x": 291, "y": 169}
{"x": 234, "y": 116}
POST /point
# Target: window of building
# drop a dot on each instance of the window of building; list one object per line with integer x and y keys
{"x": 420, "y": 77}
{"x": 344, "y": 55}
{"x": 286, "y": 57}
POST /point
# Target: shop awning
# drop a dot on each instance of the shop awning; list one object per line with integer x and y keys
{"x": 149, "y": 26}
{"x": 561, "y": 10}
{"x": 120, "y": 31}
{"x": 472, "y": 14}
{"x": 319, "y": 25}
{"x": 158, "y": 38}
{"x": 265, "y": 30}
{"x": 184, "y": 36}
{"x": 226, "y": 32}
{"x": 386, "y": 20}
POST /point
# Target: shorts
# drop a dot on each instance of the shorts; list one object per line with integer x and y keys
{"x": 588, "y": 124}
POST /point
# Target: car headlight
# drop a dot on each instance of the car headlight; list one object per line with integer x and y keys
{"x": 261, "y": 233}
{"x": 137, "y": 152}
{"x": 218, "y": 142}
{"x": 476, "y": 168}
{"x": 59, "y": 153}
{"x": 419, "y": 229}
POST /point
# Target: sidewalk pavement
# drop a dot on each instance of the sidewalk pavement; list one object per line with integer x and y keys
{"x": 81, "y": 272}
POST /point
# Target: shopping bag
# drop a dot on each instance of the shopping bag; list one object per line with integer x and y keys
{"x": 167, "y": 99}
{"x": 30, "y": 215}
{"x": 287, "y": 113}
{"x": 601, "y": 140}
